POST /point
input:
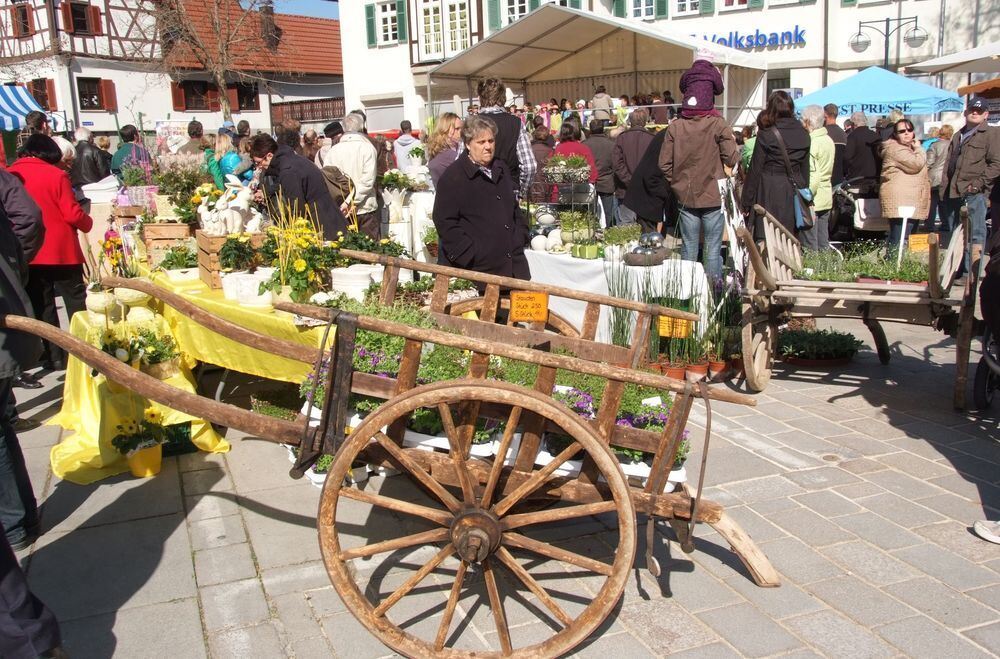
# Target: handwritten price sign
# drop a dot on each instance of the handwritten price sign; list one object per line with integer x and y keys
{"x": 529, "y": 307}
{"x": 918, "y": 242}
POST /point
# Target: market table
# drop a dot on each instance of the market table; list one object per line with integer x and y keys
{"x": 92, "y": 411}
{"x": 686, "y": 279}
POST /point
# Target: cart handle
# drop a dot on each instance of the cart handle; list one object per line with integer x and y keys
{"x": 757, "y": 260}
{"x": 532, "y": 356}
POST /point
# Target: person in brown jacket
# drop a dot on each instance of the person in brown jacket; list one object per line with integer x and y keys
{"x": 629, "y": 149}
{"x": 692, "y": 158}
{"x": 904, "y": 181}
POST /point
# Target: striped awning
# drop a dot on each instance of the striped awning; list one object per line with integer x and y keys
{"x": 15, "y": 104}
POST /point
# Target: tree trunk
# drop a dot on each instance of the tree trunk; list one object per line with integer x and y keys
{"x": 220, "y": 83}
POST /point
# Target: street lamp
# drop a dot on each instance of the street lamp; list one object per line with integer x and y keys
{"x": 914, "y": 37}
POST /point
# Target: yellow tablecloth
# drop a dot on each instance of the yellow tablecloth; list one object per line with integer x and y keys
{"x": 92, "y": 413}
{"x": 207, "y": 346}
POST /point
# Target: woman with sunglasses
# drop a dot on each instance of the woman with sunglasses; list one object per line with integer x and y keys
{"x": 904, "y": 181}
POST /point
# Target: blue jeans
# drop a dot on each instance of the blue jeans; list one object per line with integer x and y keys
{"x": 896, "y": 232}
{"x": 625, "y": 215}
{"x": 18, "y": 508}
{"x": 693, "y": 220}
{"x": 950, "y": 219}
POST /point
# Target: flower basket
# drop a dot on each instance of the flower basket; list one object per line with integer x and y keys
{"x": 131, "y": 297}
{"x": 163, "y": 370}
{"x": 142, "y": 195}
{"x": 145, "y": 462}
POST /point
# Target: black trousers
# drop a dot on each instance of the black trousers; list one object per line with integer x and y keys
{"x": 18, "y": 507}
{"x": 45, "y": 284}
{"x": 28, "y": 628}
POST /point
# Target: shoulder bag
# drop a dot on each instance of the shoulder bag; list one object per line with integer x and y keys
{"x": 805, "y": 215}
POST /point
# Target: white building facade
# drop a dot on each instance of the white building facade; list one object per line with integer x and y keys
{"x": 96, "y": 63}
{"x": 808, "y": 43}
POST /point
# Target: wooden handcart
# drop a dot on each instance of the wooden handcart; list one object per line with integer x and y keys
{"x": 478, "y": 522}
{"x": 773, "y": 296}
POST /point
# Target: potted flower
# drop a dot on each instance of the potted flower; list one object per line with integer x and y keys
{"x": 430, "y": 240}
{"x": 236, "y": 256}
{"x": 815, "y": 347}
{"x": 417, "y": 155}
{"x": 180, "y": 263}
{"x": 141, "y": 442}
{"x": 158, "y": 354}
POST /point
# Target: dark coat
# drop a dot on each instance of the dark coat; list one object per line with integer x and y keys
{"x": 648, "y": 193}
{"x": 630, "y": 146}
{"x": 767, "y": 181}
{"x": 839, "y": 138}
{"x": 602, "y": 146}
{"x": 479, "y": 224}
{"x": 859, "y": 154}
{"x": 18, "y": 351}
{"x": 24, "y": 214}
{"x": 90, "y": 166}
{"x": 302, "y": 184}
{"x": 540, "y": 190}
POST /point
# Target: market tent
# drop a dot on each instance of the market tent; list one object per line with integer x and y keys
{"x": 981, "y": 59}
{"x": 560, "y": 52}
{"x": 986, "y": 88}
{"x": 15, "y": 103}
{"x": 877, "y": 91}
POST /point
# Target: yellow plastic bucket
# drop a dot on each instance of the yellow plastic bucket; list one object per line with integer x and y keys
{"x": 146, "y": 462}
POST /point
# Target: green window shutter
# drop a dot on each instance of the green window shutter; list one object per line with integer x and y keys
{"x": 533, "y": 4}
{"x": 401, "y": 24}
{"x": 574, "y": 4}
{"x": 848, "y": 3}
{"x": 618, "y": 8}
{"x": 755, "y": 4}
{"x": 661, "y": 8}
{"x": 370, "y": 25}
{"x": 493, "y": 13}
{"x": 707, "y": 7}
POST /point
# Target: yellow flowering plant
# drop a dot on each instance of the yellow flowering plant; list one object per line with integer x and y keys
{"x": 294, "y": 245}
{"x": 135, "y": 435}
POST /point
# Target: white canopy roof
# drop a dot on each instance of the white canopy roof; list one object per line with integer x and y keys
{"x": 981, "y": 59}
{"x": 555, "y": 42}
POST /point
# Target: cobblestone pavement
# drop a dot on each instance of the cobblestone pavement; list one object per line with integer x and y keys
{"x": 859, "y": 485}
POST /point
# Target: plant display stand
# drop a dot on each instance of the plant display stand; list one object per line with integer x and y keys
{"x": 209, "y": 268}
{"x": 773, "y": 296}
{"x": 159, "y": 237}
{"x": 479, "y": 513}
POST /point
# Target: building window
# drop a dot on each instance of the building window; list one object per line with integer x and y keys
{"x": 643, "y": 9}
{"x": 514, "y": 10}
{"x": 22, "y": 20}
{"x": 195, "y": 94}
{"x": 247, "y": 97}
{"x": 39, "y": 88}
{"x": 734, "y": 4}
{"x": 431, "y": 36}
{"x": 458, "y": 27}
{"x": 88, "y": 91}
{"x": 687, "y": 7}
{"x": 388, "y": 24}
{"x": 80, "y": 14}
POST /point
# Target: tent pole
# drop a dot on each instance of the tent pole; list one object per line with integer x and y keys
{"x": 725, "y": 91}
{"x": 430, "y": 102}
{"x": 468, "y": 87}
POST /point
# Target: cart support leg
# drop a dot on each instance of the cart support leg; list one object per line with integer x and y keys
{"x": 753, "y": 558}
{"x": 966, "y": 323}
{"x": 878, "y": 336}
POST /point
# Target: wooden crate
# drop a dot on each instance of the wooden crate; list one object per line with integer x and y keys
{"x": 208, "y": 255}
{"x": 156, "y": 248}
{"x": 165, "y": 230}
{"x": 128, "y": 211}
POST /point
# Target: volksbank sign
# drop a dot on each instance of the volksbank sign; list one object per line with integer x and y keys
{"x": 757, "y": 39}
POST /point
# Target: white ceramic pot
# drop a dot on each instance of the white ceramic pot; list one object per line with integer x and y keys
{"x": 265, "y": 271}
{"x": 352, "y": 281}
{"x": 137, "y": 315}
{"x": 248, "y": 295}
{"x": 100, "y": 301}
{"x": 182, "y": 274}
{"x": 131, "y": 297}
{"x": 229, "y": 283}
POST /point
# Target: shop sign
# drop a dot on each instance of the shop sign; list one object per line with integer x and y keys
{"x": 757, "y": 39}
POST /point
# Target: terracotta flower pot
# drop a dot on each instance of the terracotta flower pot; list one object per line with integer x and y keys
{"x": 697, "y": 372}
{"x": 716, "y": 369}
{"x": 674, "y": 371}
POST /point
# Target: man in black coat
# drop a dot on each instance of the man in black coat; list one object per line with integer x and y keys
{"x": 602, "y": 146}
{"x": 839, "y": 137}
{"x": 859, "y": 155}
{"x": 299, "y": 182}
{"x": 90, "y": 166}
{"x": 648, "y": 194}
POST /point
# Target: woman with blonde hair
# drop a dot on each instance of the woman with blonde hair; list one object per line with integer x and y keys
{"x": 937, "y": 160}
{"x": 222, "y": 160}
{"x": 442, "y": 147}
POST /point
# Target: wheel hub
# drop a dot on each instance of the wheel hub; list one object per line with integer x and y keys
{"x": 475, "y": 534}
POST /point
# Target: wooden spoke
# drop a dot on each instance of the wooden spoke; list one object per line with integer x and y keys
{"x": 536, "y": 480}
{"x": 457, "y": 454}
{"x": 498, "y": 613}
{"x": 497, "y": 468}
{"x": 536, "y": 547}
{"x": 424, "y": 537}
{"x": 449, "y": 611}
{"x": 508, "y": 559}
{"x": 410, "y": 583}
{"x": 439, "y": 516}
{"x": 557, "y": 514}
{"x": 418, "y": 472}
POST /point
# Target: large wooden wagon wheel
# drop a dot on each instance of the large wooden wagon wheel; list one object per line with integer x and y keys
{"x": 759, "y": 334}
{"x": 472, "y": 540}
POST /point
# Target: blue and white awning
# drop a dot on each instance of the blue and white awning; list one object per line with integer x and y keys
{"x": 15, "y": 104}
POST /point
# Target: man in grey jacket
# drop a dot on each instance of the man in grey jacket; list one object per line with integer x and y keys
{"x": 973, "y": 166}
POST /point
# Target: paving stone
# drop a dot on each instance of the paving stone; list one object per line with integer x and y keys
{"x": 776, "y": 603}
{"x": 870, "y": 563}
{"x": 797, "y": 561}
{"x": 779, "y": 411}
{"x": 917, "y": 446}
{"x": 878, "y": 531}
{"x": 763, "y": 424}
{"x": 731, "y": 463}
{"x": 990, "y": 595}
{"x": 258, "y": 641}
{"x": 806, "y": 443}
{"x": 295, "y": 578}
{"x": 987, "y": 636}
{"x": 905, "y": 486}
{"x": 936, "y": 600}
{"x": 695, "y": 589}
{"x": 749, "y": 631}
{"x": 874, "y": 428}
{"x": 296, "y": 616}
{"x": 789, "y": 458}
{"x": 155, "y": 551}
{"x": 818, "y": 426}
{"x": 859, "y": 601}
{"x": 212, "y": 504}
{"x": 168, "y": 629}
{"x": 756, "y": 526}
{"x": 811, "y": 527}
{"x": 224, "y": 564}
{"x": 827, "y": 503}
{"x": 899, "y": 510}
{"x": 944, "y": 565}
{"x": 855, "y": 491}
{"x": 836, "y": 636}
{"x": 713, "y": 651}
{"x": 921, "y": 637}
{"x": 206, "y": 480}
{"x": 860, "y": 466}
{"x": 973, "y": 490}
{"x": 821, "y": 478}
{"x": 774, "y": 506}
{"x": 256, "y": 464}
{"x": 914, "y": 465}
{"x": 350, "y": 639}
{"x": 665, "y": 627}
{"x": 971, "y": 466}
{"x": 748, "y": 439}
{"x": 311, "y": 648}
{"x": 217, "y": 532}
{"x": 282, "y": 524}
{"x": 958, "y": 508}
{"x": 324, "y": 601}
{"x": 235, "y": 604}
{"x": 201, "y": 460}
{"x": 763, "y": 489}
{"x": 959, "y": 538}
{"x": 980, "y": 447}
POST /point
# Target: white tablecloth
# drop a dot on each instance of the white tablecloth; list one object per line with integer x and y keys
{"x": 685, "y": 277}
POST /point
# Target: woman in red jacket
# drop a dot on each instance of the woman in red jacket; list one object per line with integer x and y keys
{"x": 57, "y": 269}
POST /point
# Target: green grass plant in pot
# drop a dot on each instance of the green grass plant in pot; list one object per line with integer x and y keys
{"x": 817, "y": 347}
